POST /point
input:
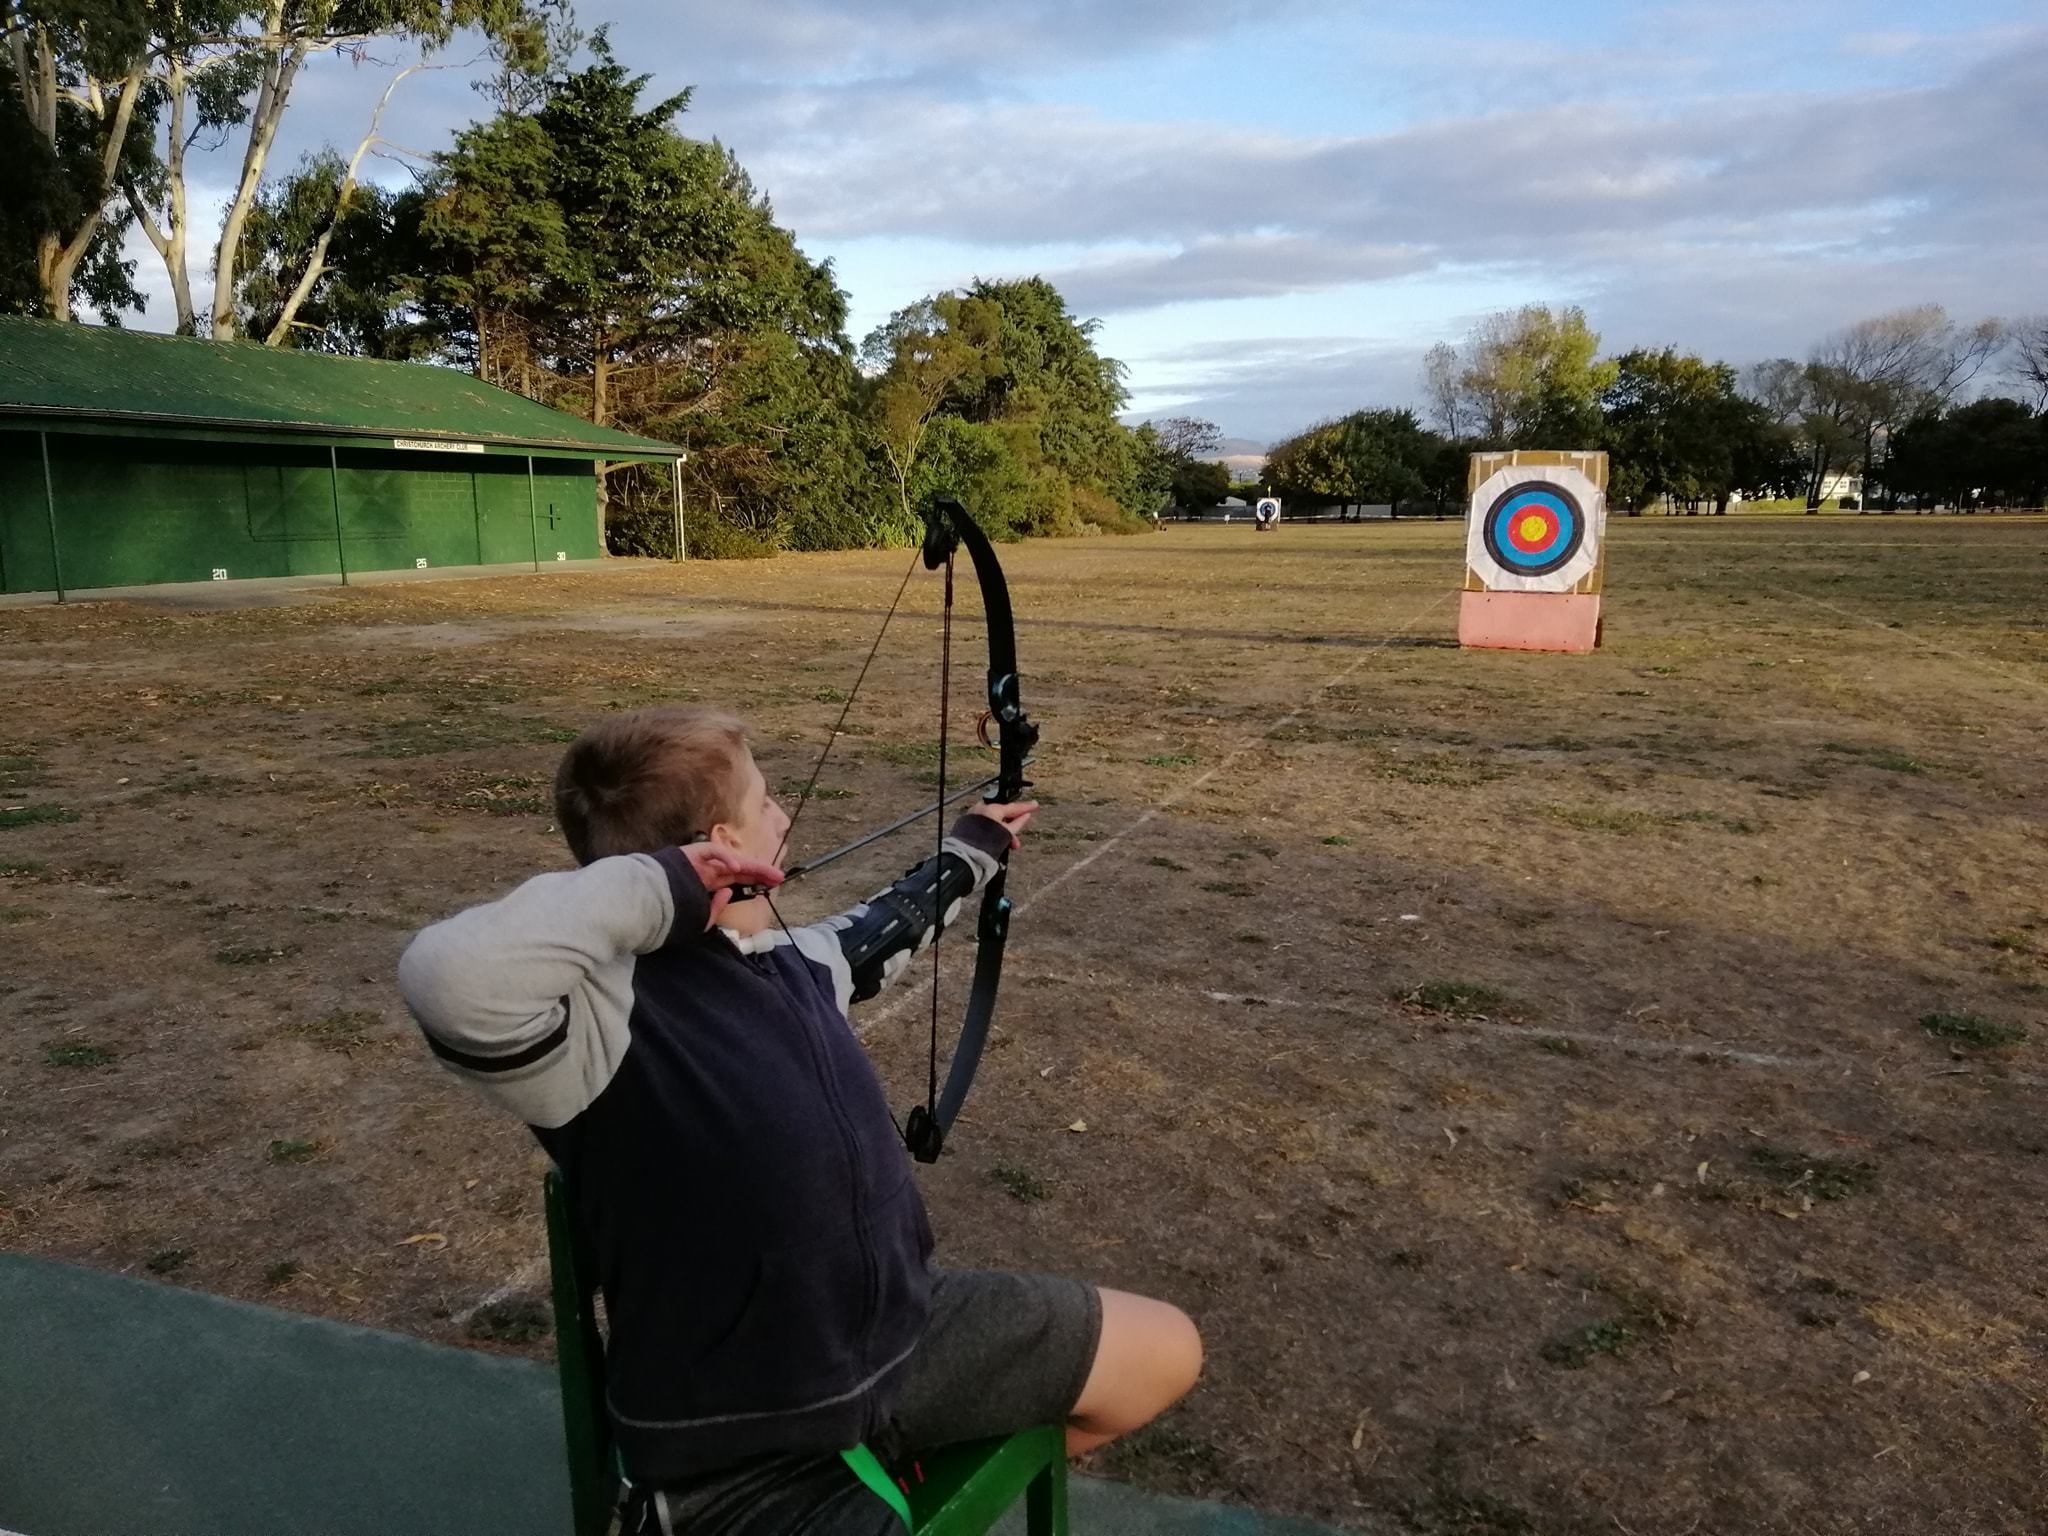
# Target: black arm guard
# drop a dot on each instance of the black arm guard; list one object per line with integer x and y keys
{"x": 897, "y": 921}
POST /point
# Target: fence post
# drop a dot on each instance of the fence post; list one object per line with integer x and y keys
{"x": 675, "y": 473}
{"x": 334, "y": 486}
{"x": 50, "y": 506}
{"x": 532, "y": 516}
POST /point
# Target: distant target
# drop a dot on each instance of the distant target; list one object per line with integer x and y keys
{"x": 1534, "y": 528}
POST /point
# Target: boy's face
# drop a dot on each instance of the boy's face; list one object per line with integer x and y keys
{"x": 759, "y": 822}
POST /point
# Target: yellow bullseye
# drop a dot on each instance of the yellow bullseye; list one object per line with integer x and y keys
{"x": 1532, "y": 530}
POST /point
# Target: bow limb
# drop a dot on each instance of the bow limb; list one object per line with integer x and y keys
{"x": 1017, "y": 735}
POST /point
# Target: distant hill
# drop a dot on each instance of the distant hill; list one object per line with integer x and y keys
{"x": 1245, "y": 457}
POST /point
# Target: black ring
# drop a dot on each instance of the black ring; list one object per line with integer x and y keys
{"x": 1490, "y": 534}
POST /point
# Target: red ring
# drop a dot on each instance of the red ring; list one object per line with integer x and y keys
{"x": 1550, "y": 528}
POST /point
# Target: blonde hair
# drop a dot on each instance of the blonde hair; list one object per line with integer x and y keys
{"x": 649, "y": 779}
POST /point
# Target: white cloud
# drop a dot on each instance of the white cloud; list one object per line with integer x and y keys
{"x": 1567, "y": 178}
{"x": 1745, "y": 226}
{"x": 1233, "y": 266}
{"x": 1734, "y": 176}
{"x": 1269, "y": 387}
{"x": 818, "y": 40}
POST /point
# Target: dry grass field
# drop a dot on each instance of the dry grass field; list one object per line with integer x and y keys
{"x": 1595, "y": 1094}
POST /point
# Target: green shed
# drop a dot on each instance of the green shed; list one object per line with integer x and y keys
{"x": 129, "y": 458}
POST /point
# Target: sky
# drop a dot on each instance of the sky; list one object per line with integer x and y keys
{"x": 1274, "y": 209}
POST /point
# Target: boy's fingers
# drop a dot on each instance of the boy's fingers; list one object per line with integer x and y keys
{"x": 718, "y": 868}
{"x": 1014, "y": 818}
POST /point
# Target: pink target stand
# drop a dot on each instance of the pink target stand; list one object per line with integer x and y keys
{"x": 1535, "y": 551}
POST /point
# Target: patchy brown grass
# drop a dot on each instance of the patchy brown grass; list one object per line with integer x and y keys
{"x": 1519, "y": 1065}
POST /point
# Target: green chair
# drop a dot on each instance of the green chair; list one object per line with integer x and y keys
{"x": 961, "y": 1490}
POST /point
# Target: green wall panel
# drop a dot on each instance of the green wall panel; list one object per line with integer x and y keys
{"x": 565, "y": 511}
{"x": 136, "y": 511}
{"x": 504, "y": 520}
{"x": 291, "y": 505}
{"x": 25, "y": 563}
{"x": 165, "y": 513}
{"x": 398, "y": 509}
{"x": 396, "y": 513}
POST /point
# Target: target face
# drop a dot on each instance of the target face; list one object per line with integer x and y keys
{"x": 1535, "y": 528}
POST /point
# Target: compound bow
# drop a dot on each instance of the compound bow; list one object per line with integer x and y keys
{"x": 947, "y": 528}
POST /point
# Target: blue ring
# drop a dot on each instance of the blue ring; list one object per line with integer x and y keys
{"x": 1571, "y": 528}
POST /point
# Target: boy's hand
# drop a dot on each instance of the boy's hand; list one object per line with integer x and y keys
{"x": 1013, "y": 819}
{"x": 721, "y": 867}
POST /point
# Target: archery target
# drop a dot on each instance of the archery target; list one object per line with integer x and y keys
{"x": 1535, "y": 528}
{"x": 1268, "y": 509}
{"x": 1532, "y": 530}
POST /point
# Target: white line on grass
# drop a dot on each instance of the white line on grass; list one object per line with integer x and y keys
{"x": 1481, "y": 1026}
{"x": 1734, "y": 1055}
{"x": 1649, "y": 1047}
{"x": 1250, "y": 743}
{"x": 1918, "y": 639}
{"x": 1533, "y": 1032}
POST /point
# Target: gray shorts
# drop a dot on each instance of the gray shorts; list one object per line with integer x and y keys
{"x": 1002, "y": 1352}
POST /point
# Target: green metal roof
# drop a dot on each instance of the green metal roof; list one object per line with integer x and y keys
{"x": 56, "y": 371}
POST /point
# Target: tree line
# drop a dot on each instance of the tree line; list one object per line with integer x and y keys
{"x": 574, "y": 245}
{"x": 1881, "y": 400}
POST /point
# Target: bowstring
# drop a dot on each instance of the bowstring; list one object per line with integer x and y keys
{"x": 945, "y": 722}
{"x": 853, "y": 693}
{"x": 939, "y": 822}
{"x": 832, "y": 738}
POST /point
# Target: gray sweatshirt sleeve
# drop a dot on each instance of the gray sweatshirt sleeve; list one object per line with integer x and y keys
{"x": 528, "y": 996}
{"x": 867, "y": 948}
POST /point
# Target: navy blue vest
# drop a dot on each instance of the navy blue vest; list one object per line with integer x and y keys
{"x": 760, "y": 1242}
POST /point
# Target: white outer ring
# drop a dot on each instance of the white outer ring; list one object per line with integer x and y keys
{"x": 1496, "y": 577}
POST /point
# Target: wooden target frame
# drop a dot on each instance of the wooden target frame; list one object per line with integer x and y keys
{"x": 1535, "y": 550}
{"x": 1486, "y": 467}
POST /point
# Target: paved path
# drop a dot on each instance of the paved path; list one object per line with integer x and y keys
{"x": 130, "y": 1406}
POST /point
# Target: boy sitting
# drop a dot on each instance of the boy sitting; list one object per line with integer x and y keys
{"x": 761, "y": 1244}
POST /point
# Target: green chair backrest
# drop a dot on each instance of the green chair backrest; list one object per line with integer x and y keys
{"x": 579, "y": 1362}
